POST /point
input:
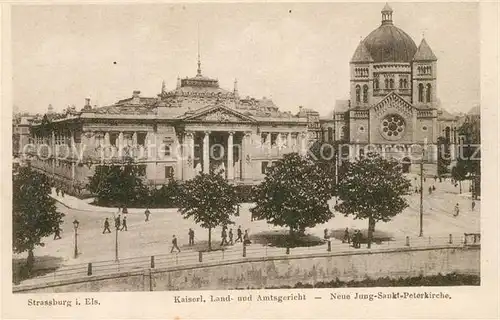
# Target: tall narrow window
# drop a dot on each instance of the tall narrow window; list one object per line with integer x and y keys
{"x": 420, "y": 93}
{"x": 358, "y": 93}
{"x": 428, "y": 93}
{"x": 330, "y": 134}
{"x": 405, "y": 83}
{"x": 401, "y": 84}
{"x": 365, "y": 93}
{"x": 376, "y": 84}
{"x": 391, "y": 83}
{"x": 386, "y": 83}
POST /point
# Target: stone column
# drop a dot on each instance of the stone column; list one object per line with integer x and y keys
{"x": 120, "y": 139}
{"x": 206, "y": 152}
{"x": 188, "y": 154}
{"x": 106, "y": 139}
{"x": 246, "y": 156}
{"x": 178, "y": 155}
{"x": 134, "y": 139}
{"x": 303, "y": 143}
{"x": 72, "y": 144}
{"x": 230, "y": 162}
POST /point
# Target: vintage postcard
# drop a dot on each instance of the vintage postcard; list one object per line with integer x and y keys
{"x": 250, "y": 160}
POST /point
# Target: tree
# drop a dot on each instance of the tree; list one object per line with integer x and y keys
{"x": 325, "y": 156}
{"x": 459, "y": 172}
{"x": 210, "y": 200}
{"x": 372, "y": 188}
{"x": 294, "y": 193}
{"x": 118, "y": 183}
{"x": 444, "y": 159}
{"x": 34, "y": 212}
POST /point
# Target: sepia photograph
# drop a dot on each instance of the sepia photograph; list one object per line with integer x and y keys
{"x": 170, "y": 147}
{"x": 246, "y": 154}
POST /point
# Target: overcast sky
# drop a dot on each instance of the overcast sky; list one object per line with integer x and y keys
{"x": 297, "y": 54}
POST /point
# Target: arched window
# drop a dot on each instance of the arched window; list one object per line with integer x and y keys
{"x": 342, "y": 133}
{"x": 358, "y": 93}
{"x": 420, "y": 93}
{"x": 376, "y": 84}
{"x": 401, "y": 84}
{"x": 391, "y": 83}
{"x": 386, "y": 83}
{"x": 330, "y": 134}
{"x": 405, "y": 83}
{"x": 365, "y": 93}
{"x": 428, "y": 93}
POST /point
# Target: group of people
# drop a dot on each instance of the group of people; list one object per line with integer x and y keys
{"x": 355, "y": 238}
{"x": 224, "y": 236}
{"x": 120, "y": 224}
{"x": 60, "y": 191}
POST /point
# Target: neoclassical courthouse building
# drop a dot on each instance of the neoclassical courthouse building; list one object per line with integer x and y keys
{"x": 199, "y": 126}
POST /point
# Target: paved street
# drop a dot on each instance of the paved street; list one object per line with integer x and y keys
{"x": 144, "y": 239}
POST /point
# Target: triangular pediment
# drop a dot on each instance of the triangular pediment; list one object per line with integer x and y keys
{"x": 395, "y": 101}
{"x": 218, "y": 113}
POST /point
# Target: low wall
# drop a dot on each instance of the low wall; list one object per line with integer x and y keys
{"x": 280, "y": 271}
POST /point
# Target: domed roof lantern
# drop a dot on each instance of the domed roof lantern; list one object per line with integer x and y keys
{"x": 386, "y": 14}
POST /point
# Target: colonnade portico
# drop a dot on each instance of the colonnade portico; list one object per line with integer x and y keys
{"x": 188, "y": 152}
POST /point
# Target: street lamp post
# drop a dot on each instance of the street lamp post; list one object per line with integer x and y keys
{"x": 421, "y": 233}
{"x": 75, "y": 226}
{"x": 116, "y": 242}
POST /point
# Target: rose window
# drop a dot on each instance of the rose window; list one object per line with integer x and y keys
{"x": 393, "y": 126}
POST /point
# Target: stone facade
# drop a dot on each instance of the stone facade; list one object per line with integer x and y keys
{"x": 196, "y": 127}
{"x": 393, "y": 105}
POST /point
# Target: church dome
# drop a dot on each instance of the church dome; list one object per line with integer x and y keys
{"x": 388, "y": 43}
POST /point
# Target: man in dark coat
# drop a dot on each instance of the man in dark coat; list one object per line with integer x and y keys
{"x": 106, "y": 226}
{"x": 174, "y": 244}
{"x": 239, "y": 235}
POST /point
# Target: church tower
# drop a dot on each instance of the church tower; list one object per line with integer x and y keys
{"x": 424, "y": 73}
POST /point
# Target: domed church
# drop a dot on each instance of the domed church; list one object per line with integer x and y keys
{"x": 393, "y": 103}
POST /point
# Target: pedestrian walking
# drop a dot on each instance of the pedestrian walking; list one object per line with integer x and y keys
{"x": 223, "y": 237}
{"x": 57, "y": 191}
{"x": 435, "y": 178}
{"x": 440, "y": 179}
{"x": 147, "y": 213}
{"x": 117, "y": 222}
{"x": 430, "y": 190}
{"x": 355, "y": 239}
{"x": 358, "y": 241}
{"x": 124, "y": 210}
{"x": 457, "y": 210}
{"x": 246, "y": 238}
{"x": 473, "y": 205}
{"x": 106, "y": 226}
{"x": 239, "y": 234}
{"x": 325, "y": 234}
{"x": 346, "y": 236}
{"x": 174, "y": 244}
{"x": 57, "y": 232}
{"x": 119, "y": 209}
{"x": 231, "y": 237}
{"x": 433, "y": 188}
{"x": 62, "y": 193}
{"x": 191, "y": 236}
{"x": 124, "y": 224}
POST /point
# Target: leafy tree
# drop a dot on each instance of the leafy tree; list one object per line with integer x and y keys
{"x": 210, "y": 200}
{"x": 372, "y": 188}
{"x": 325, "y": 156}
{"x": 459, "y": 172}
{"x": 34, "y": 212}
{"x": 444, "y": 159}
{"x": 167, "y": 196}
{"x": 118, "y": 184}
{"x": 294, "y": 193}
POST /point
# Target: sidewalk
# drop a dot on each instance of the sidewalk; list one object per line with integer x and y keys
{"x": 84, "y": 205}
